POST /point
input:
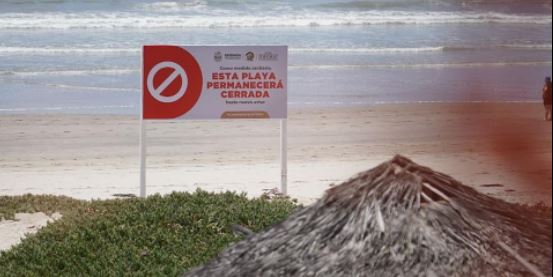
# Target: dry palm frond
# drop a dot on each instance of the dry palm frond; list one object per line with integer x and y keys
{"x": 398, "y": 219}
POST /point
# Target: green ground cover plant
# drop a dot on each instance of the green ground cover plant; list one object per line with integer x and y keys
{"x": 156, "y": 236}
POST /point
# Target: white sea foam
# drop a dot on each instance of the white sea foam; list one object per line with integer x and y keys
{"x": 194, "y": 5}
{"x": 127, "y": 71}
{"x": 131, "y": 51}
{"x": 415, "y": 66}
{"x": 215, "y": 19}
{"x": 70, "y": 73}
{"x": 529, "y": 46}
{"x": 93, "y": 88}
{"x": 8, "y": 50}
{"x": 368, "y": 50}
{"x": 66, "y": 50}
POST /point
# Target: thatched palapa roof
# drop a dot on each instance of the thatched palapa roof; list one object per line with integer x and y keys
{"x": 398, "y": 219}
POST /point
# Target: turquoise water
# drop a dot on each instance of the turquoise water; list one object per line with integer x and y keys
{"x": 84, "y": 57}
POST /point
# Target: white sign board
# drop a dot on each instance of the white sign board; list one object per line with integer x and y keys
{"x": 212, "y": 82}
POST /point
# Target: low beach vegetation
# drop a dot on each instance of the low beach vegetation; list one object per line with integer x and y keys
{"x": 156, "y": 236}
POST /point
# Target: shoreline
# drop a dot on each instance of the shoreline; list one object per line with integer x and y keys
{"x": 483, "y": 145}
{"x": 72, "y": 111}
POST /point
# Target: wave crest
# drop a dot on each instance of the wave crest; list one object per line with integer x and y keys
{"x": 133, "y": 20}
{"x": 367, "y": 50}
{"x": 164, "y": 7}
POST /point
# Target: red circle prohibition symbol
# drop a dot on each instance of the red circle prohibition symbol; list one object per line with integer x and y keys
{"x": 172, "y": 82}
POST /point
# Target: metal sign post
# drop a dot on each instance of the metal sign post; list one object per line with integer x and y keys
{"x": 142, "y": 145}
{"x": 142, "y": 138}
{"x": 283, "y": 156}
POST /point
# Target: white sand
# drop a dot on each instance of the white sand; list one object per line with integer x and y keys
{"x": 13, "y": 231}
{"x": 97, "y": 156}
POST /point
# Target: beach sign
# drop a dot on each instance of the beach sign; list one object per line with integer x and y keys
{"x": 214, "y": 82}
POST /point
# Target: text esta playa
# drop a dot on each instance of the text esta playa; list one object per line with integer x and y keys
{"x": 235, "y": 81}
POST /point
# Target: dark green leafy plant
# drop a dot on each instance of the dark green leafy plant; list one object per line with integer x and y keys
{"x": 159, "y": 235}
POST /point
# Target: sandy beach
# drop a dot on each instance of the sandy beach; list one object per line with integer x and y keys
{"x": 502, "y": 149}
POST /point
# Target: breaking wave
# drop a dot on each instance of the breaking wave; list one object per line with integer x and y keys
{"x": 368, "y": 50}
{"x": 130, "y": 71}
{"x": 416, "y": 65}
{"x": 223, "y": 19}
{"x": 7, "y": 50}
{"x": 66, "y": 50}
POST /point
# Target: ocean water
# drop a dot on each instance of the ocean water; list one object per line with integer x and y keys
{"x": 82, "y": 56}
